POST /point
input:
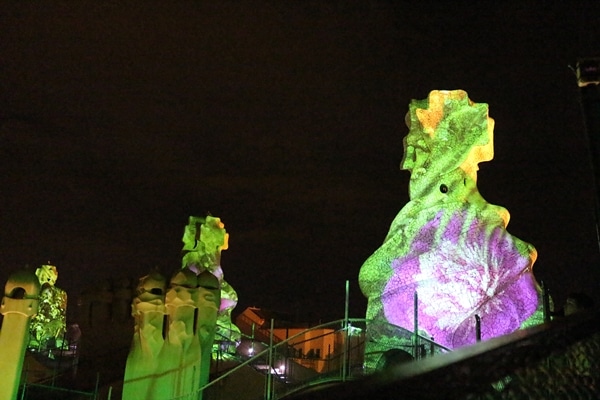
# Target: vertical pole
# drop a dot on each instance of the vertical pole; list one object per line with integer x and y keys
{"x": 546, "y": 302}
{"x": 416, "y": 327}
{"x": 346, "y": 344}
{"x": 218, "y": 357}
{"x": 25, "y": 383}
{"x": 588, "y": 80}
{"x": 97, "y": 384}
{"x": 477, "y": 328}
{"x": 328, "y": 357}
{"x": 347, "y": 304}
{"x": 252, "y": 344}
{"x": 54, "y": 372}
{"x": 269, "y": 389}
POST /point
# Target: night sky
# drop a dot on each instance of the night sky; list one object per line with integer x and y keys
{"x": 119, "y": 119}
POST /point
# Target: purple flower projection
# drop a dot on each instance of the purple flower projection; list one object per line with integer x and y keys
{"x": 460, "y": 266}
{"x": 448, "y": 244}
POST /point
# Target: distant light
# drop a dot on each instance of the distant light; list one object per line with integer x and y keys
{"x": 280, "y": 370}
{"x": 354, "y": 331}
{"x": 588, "y": 72}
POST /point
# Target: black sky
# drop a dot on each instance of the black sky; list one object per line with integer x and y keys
{"x": 118, "y": 120}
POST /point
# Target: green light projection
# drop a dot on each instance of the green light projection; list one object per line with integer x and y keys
{"x": 178, "y": 322}
{"x": 48, "y": 327}
{"x": 174, "y": 331}
{"x": 448, "y": 244}
{"x": 203, "y": 240}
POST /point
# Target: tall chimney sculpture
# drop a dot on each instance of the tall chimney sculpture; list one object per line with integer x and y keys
{"x": 448, "y": 247}
{"x": 19, "y": 305}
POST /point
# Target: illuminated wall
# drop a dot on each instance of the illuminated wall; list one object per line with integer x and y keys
{"x": 448, "y": 244}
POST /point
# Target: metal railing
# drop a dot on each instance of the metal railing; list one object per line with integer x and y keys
{"x": 555, "y": 360}
{"x": 329, "y": 352}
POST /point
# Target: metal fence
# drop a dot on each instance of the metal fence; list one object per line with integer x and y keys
{"x": 50, "y": 391}
{"x": 557, "y": 360}
{"x": 320, "y": 355}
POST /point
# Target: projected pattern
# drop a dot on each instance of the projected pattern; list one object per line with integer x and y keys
{"x": 448, "y": 244}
